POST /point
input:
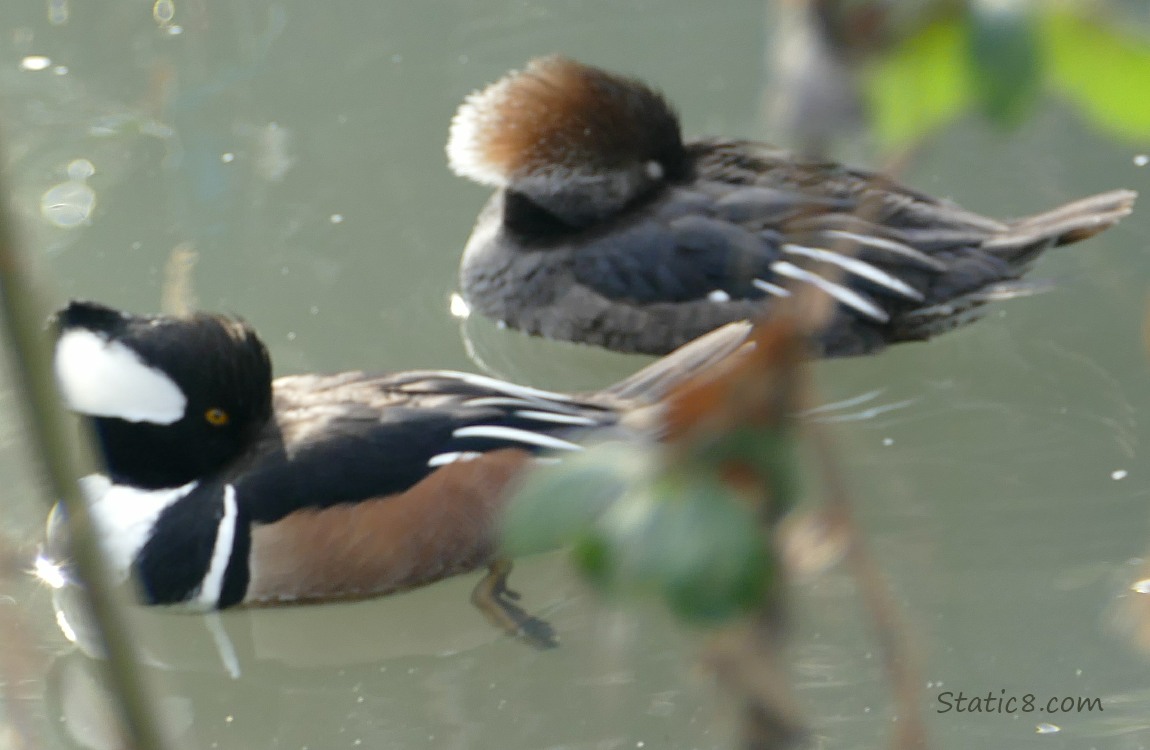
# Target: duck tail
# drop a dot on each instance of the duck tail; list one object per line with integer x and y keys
{"x": 928, "y": 322}
{"x": 1072, "y": 222}
{"x": 651, "y": 384}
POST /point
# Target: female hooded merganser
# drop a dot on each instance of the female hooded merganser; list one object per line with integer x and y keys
{"x": 224, "y": 487}
{"x": 608, "y": 228}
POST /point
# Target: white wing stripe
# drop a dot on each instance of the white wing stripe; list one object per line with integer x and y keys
{"x": 500, "y": 401}
{"x": 513, "y": 434}
{"x": 547, "y": 416}
{"x": 502, "y": 386}
{"x": 882, "y": 243}
{"x": 449, "y": 458}
{"x": 841, "y": 293}
{"x": 770, "y": 288}
{"x": 858, "y": 268}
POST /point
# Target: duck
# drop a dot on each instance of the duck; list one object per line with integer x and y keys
{"x": 606, "y": 227}
{"x": 222, "y": 486}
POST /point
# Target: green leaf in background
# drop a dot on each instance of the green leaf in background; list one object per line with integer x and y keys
{"x": 1103, "y": 70}
{"x": 999, "y": 57}
{"x": 690, "y": 520}
{"x": 557, "y": 504}
{"x": 686, "y": 539}
{"x": 919, "y": 86}
{"x": 1004, "y": 58}
{"x": 769, "y": 453}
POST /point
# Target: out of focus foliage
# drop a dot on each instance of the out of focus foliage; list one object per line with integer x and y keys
{"x": 640, "y": 524}
{"x": 690, "y": 520}
{"x": 1000, "y": 57}
{"x": 684, "y": 538}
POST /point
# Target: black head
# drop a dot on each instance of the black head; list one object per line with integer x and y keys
{"x": 173, "y": 399}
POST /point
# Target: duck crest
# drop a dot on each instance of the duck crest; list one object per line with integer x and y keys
{"x": 578, "y": 141}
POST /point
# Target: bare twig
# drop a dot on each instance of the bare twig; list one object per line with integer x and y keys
{"x": 178, "y": 297}
{"x": 753, "y": 392}
{"x": 62, "y": 461}
{"x": 747, "y": 660}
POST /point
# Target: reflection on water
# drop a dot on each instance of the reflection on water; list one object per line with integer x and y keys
{"x": 69, "y": 204}
{"x": 297, "y": 151}
{"x": 422, "y": 670}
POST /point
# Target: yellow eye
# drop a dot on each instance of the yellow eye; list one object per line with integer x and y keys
{"x": 216, "y": 417}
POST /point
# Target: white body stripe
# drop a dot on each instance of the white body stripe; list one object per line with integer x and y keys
{"x": 515, "y": 435}
{"x": 104, "y": 378}
{"x": 858, "y": 268}
{"x": 848, "y": 297}
{"x": 208, "y": 596}
{"x": 124, "y": 517}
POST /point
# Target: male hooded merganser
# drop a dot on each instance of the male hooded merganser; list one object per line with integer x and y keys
{"x": 224, "y": 487}
{"x": 608, "y": 228}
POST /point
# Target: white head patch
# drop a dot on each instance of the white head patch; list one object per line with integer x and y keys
{"x": 102, "y": 378}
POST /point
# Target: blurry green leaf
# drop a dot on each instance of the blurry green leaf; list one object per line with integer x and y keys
{"x": 919, "y": 86}
{"x": 557, "y": 504}
{"x": 1103, "y": 70}
{"x": 1005, "y": 60}
{"x": 1000, "y": 58}
{"x": 685, "y": 539}
{"x": 770, "y": 453}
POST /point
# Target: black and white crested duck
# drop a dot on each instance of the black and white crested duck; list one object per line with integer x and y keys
{"x": 608, "y": 228}
{"x": 223, "y": 486}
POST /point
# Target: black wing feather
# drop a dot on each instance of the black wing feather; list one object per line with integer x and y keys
{"x": 364, "y": 451}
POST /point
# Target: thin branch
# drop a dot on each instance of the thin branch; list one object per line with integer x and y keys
{"x": 63, "y": 461}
